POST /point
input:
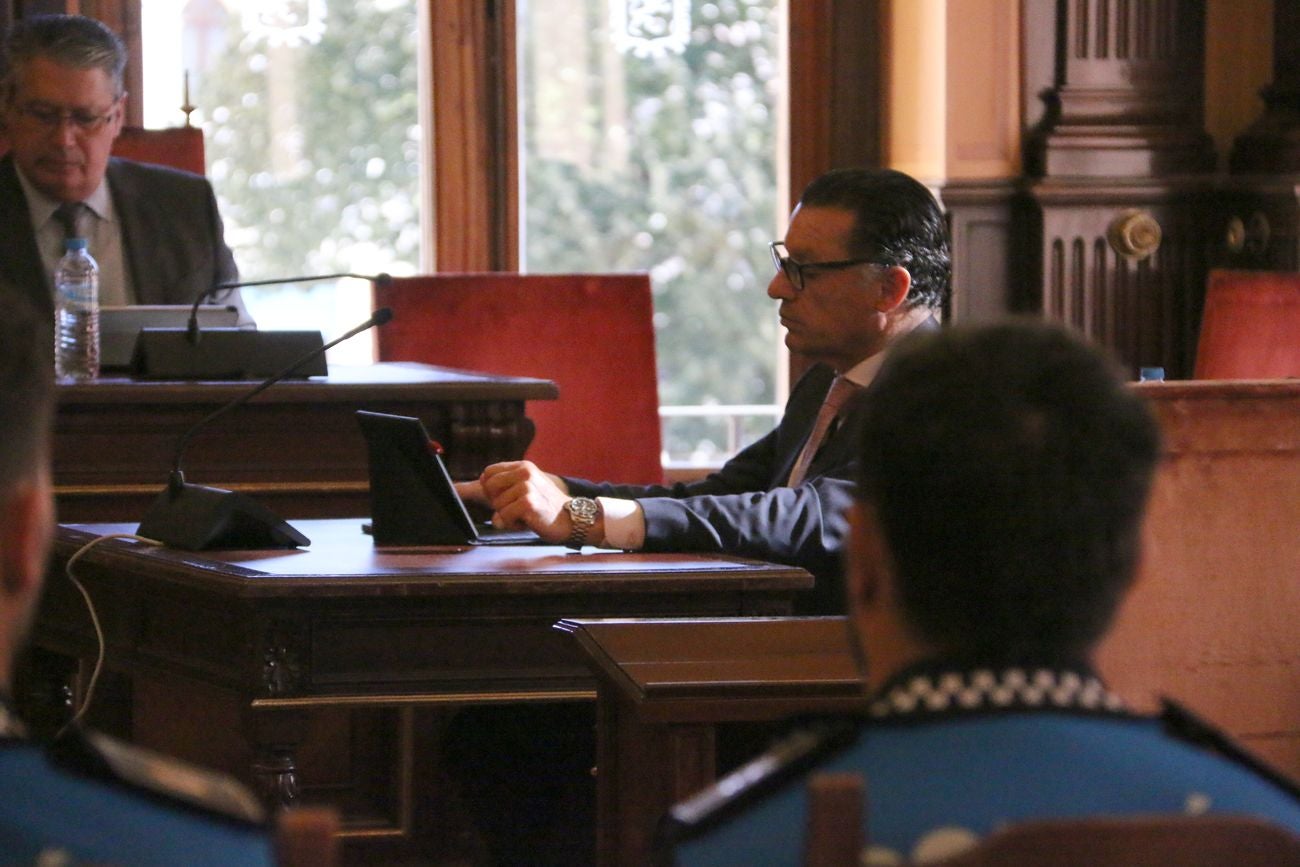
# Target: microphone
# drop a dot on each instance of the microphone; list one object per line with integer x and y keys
{"x": 199, "y": 518}
{"x": 192, "y": 332}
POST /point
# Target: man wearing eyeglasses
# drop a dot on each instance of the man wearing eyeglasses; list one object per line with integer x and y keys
{"x": 864, "y": 261}
{"x": 155, "y": 232}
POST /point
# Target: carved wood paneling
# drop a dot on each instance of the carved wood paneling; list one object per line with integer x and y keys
{"x": 981, "y": 224}
{"x": 1128, "y": 96}
{"x": 1144, "y": 308}
{"x": 1256, "y": 224}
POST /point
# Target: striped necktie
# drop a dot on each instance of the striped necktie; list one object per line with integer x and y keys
{"x": 840, "y": 392}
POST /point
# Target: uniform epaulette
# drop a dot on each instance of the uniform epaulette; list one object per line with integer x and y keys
{"x": 785, "y": 763}
{"x": 1181, "y": 723}
{"x": 175, "y": 782}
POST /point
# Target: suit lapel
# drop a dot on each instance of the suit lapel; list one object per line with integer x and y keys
{"x": 20, "y": 259}
{"x": 126, "y": 201}
{"x": 798, "y": 420}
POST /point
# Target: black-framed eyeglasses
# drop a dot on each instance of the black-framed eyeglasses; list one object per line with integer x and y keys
{"x": 52, "y": 119}
{"x": 796, "y": 272}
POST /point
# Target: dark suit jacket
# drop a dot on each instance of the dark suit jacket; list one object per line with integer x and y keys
{"x": 746, "y": 508}
{"x": 171, "y": 233}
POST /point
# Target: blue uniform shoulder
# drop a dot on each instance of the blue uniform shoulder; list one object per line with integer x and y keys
{"x": 166, "y": 780}
{"x": 1182, "y": 724}
{"x": 787, "y": 763}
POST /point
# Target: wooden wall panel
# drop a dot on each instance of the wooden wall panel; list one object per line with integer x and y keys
{"x": 1144, "y": 308}
{"x": 983, "y": 61}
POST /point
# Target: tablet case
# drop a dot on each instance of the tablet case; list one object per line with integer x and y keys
{"x": 412, "y": 499}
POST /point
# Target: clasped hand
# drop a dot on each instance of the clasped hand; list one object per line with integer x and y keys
{"x": 522, "y": 496}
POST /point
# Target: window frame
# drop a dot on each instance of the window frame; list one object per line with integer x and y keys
{"x": 474, "y": 142}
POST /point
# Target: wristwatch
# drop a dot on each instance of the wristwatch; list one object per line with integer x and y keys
{"x": 583, "y": 512}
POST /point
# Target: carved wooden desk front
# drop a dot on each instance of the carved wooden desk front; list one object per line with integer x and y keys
{"x": 296, "y": 447}
{"x": 235, "y": 658}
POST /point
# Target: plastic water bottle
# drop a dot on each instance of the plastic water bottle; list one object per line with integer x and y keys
{"x": 76, "y": 313}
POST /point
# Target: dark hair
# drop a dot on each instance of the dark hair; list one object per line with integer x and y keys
{"x": 71, "y": 40}
{"x": 1009, "y": 467}
{"x": 26, "y": 389}
{"x": 898, "y": 223}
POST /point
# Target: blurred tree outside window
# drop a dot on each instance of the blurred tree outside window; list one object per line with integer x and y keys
{"x": 649, "y": 142}
{"x": 310, "y": 116}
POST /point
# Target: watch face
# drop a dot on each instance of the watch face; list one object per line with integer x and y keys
{"x": 583, "y": 507}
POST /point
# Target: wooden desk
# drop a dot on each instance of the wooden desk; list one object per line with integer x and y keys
{"x": 234, "y": 659}
{"x": 663, "y": 687}
{"x": 1211, "y": 621}
{"x": 296, "y": 447}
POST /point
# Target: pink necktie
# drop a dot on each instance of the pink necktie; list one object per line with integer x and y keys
{"x": 839, "y": 394}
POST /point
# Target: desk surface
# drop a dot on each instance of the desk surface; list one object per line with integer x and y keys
{"x": 343, "y": 561}
{"x": 344, "y": 384}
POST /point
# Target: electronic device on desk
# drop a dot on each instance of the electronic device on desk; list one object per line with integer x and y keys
{"x": 196, "y": 351}
{"x": 120, "y": 327}
{"x": 412, "y": 498}
{"x": 223, "y": 353}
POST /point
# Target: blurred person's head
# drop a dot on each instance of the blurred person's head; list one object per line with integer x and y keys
{"x": 62, "y": 101}
{"x": 865, "y": 256}
{"x": 1005, "y": 472}
{"x": 26, "y": 500}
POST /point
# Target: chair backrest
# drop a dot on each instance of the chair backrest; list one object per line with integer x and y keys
{"x": 1169, "y": 841}
{"x": 1250, "y": 325}
{"x": 836, "y": 836}
{"x": 179, "y": 147}
{"x": 592, "y": 334}
{"x": 307, "y": 837}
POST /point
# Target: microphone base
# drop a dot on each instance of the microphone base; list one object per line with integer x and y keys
{"x": 198, "y": 518}
{"x": 224, "y": 353}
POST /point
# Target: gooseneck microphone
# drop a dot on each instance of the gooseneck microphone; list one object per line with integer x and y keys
{"x": 199, "y": 518}
{"x": 192, "y": 332}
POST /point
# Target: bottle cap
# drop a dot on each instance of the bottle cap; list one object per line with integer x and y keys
{"x": 1151, "y": 374}
{"x": 74, "y": 244}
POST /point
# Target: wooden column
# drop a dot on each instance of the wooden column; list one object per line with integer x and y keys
{"x": 1128, "y": 96}
{"x": 1114, "y": 206}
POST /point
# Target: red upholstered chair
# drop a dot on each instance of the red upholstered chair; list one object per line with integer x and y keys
{"x": 1251, "y": 326}
{"x": 592, "y": 334}
{"x": 180, "y": 147}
